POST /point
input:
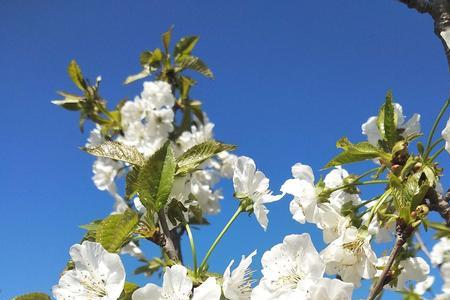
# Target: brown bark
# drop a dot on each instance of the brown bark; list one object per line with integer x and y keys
{"x": 439, "y": 10}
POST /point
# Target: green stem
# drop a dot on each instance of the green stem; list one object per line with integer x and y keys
{"x": 436, "y": 123}
{"x": 354, "y": 182}
{"x": 194, "y": 252}
{"x": 378, "y": 181}
{"x": 437, "y": 142}
{"x": 219, "y": 237}
{"x": 437, "y": 153}
{"x": 366, "y": 202}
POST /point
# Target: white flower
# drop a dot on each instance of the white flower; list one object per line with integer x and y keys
{"x": 178, "y": 286}
{"x": 331, "y": 289}
{"x": 413, "y": 269}
{"x": 383, "y": 234}
{"x": 97, "y": 275}
{"x": 208, "y": 290}
{"x": 332, "y": 223}
{"x": 445, "y": 275}
{"x": 350, "y": 256}
{"x": 198, "y": 134}
{"x": 370, "y": 128}
{"x": 446, "y": 136}
{"x": 201, "y": 188}
{"x": 105, "y": 171}
{"x": 237, "y": 284}
{"x": 338, "y": 198}
{"x": 95, "y": 138}
{"x": 421, "y": 287}
{"x": 294, "y": 270}
{"x": 304, "y": 205}
{"x": 132, "y": 112}
{"x": 157, "y": 94}
{"x": 252, "y": 184}
{"x": 160, "y": 122}
{"x": 227, "y": 162}
{"x": 441, "y": 251}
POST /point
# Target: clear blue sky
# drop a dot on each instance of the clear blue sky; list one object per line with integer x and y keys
{"x": 291, "y": 78}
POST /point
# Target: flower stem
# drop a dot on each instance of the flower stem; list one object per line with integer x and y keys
{"x": 219, "y": 237}
{"x": 437, "y": 154}
{"x": 366, "y": 202}
{"x": 194, "y": 252}
{"x": 433, "y": 129}
{"x": 432, "y": 146}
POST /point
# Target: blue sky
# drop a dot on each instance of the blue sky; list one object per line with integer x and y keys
{"x": 291, "y": 78}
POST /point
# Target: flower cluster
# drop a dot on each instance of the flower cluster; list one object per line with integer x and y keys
{"x": 162, "y": 146}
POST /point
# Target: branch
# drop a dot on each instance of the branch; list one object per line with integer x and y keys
{"x": 439, "y": 10}
{"x": 403, "y": 234}
{"x": 422, "y": 6}
{"x": 168, "y": 245}
{"x": 439, "y": 203}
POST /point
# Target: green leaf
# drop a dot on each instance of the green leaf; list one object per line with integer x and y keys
{"x": 144, "y": 73}
{"x": 441, "y": 229}
{"x": 117, "y": 151}
{"x": 196, "y": 155}
{"x": 131, "y": 186}
{"x": 153, "y": 265}
{"x": 152, "y": 59}
{"x": 185, "y": 45}
{"x": 166, "y": 37}
{"x": 196, "y": 64}
{"x": 33, "y": 296}
{"x": 387, "y": 121}
{"x": 114, "y": 231}
{"x": 355, "y": 152}
{"x": 155, "y": 180}
{"x": 76, "y": 75}
{"x": 128, "y": 291}
{"x": 196, "y": 107}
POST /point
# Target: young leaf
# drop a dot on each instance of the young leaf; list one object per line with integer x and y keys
{"x": 115, "y": 230}
{"x": 76, "y": 75}
{"x": 355, "y": 152}
{"x": 185, "y": 45}
{"x": 387, "y": 121}
{"x": 166, "y": 37}
{"x": 33, "y": 296}
{"x": 117, "y": 151}
{"x": 441, "y": 230}
{"x": 156, "y": 177}
{"x": 196, "y": 64}
{"x": 144, "y": 73}
{"x": 196, "y": 155}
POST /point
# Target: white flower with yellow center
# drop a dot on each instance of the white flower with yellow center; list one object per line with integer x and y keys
{"x": 294, "y": 270}
{"x": 98, "y": 274}
{"x": 350, "y": 256}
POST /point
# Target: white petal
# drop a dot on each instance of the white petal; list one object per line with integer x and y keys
{"x": 149, "y": 291}
{"x": 304, "y": 172}
{"x": 208, "y": 290}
